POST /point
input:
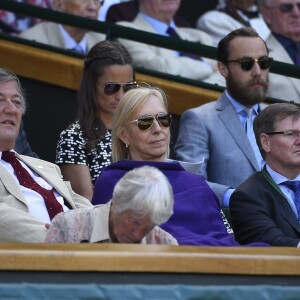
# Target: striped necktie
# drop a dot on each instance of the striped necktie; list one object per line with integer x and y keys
{"x": 25, "y": 179}
{"x": 251, "y": 136}
{"x": 295, "y": 187}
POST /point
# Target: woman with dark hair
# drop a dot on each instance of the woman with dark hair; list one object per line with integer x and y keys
{"x": 84, "y": 148}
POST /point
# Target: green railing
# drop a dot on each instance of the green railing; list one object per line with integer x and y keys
{"x": 115, "y": 31}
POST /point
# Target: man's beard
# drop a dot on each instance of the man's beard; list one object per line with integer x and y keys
{"x": 244, "y": 93}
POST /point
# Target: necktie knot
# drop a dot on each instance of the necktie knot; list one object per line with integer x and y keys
{"x": 8, "y": 156}
{"x": 172, "y": 32}
{"x": 78, "y": 48}
{"x": 293, "y": 185}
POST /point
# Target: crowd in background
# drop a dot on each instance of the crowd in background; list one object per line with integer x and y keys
{"x": 122, "y": 126}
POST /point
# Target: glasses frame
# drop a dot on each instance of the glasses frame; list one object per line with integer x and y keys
{"x": 285, "y": 8}
{"x": 259, "y": 60}
{"x": 119, "y": 86}
{"x": 156, "y": 116}
{"x": 287, "y": 133}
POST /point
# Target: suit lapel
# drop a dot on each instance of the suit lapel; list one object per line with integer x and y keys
{"x": 54, "y": 36}
{"x": 11, "y": 184}
{"x": 278, "y": 52}
{"x": 232, "y": 122}
{"x": 285, "y": 208}
{"x": 48, "y": 172}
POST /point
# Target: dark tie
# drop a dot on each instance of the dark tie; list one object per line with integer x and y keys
{"x": 25, "y": 179}
{"x": 297, "y": 62}
{"x": 172, "y": 33}
{"x": 295, "y": 187}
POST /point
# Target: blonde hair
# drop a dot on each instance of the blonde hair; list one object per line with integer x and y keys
{"x": 127, "y": 109}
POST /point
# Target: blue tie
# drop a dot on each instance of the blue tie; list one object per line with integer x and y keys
{"x": 251, "y": 135}
{"x": 295, "y": 187}
{"x": 78, "y": 48}
{"x": 172, "y": 33}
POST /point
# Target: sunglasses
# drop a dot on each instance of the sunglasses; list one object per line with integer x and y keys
{"x": 146, "y": 122}
{"x": 287, "y": 7}
{"x": 112, "y": 88}
{"x": 248, "y": 63}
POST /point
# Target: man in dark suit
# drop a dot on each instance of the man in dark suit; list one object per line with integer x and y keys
{"x": 266, "y": 207}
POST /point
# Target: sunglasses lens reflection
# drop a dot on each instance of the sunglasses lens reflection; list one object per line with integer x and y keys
{"x": 111, "y": 88}
{"x": 144, "y": 123}
{"x": 248, "y": 64}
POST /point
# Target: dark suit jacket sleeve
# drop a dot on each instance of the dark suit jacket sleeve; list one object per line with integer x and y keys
{"x": 260, "y": 214}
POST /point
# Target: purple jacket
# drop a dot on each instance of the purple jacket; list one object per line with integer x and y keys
{"x": 196, "y": 219}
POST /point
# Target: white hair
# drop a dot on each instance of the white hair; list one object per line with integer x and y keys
{"x": 144, "y": 190}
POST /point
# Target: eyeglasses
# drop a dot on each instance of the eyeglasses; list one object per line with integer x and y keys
{"x": 146, "y": 122}
{"x": 248, "y": 63}
{"x": 286, "y": 7}
{"x": 112, "y": 88}
{"x": 96, "y": 2}
{"x": 292, "y": 134}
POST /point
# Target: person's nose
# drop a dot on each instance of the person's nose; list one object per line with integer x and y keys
{"x": 296, "y": 10}
{"x": 256, "y": 70}
{"x": 10, "y": 107}
{"x": 156, "y": 126}
{"x": 120, "y": 94}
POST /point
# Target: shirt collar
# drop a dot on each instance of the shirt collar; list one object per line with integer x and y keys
{"x": 70, "y": 43}
{"x": 278, "y": 178}
{"x": 100, "y": 230}
{"x": 238, "y": 107}
{"x": 159, "y": 27}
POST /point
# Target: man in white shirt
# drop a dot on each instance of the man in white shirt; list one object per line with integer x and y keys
{"x": 24, "y": 212}
{"x": 65, "y": 36}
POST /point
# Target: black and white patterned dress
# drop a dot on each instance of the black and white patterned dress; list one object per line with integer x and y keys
{"x": 71, "y": 150}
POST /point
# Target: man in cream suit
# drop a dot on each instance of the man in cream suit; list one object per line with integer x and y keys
{"x": 216, "y": 132}
{"x": 156, "y": 16}
{"x": 24, "y": 215}
{"x": 283, "y": 18}
{"x": 65, "y": 36}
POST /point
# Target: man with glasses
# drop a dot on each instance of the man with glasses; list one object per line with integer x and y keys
{"x": 283, "y": 18}
{"x": 220, "y": 133}
{"x": 266, "y": 207}
{"x": 65, "y": 36}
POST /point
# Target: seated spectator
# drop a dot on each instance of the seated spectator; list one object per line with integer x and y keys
{"x": 84, "y": 148}
{"x": 14, "y": 24}
{"x": 141, "y": 137}
{"x": 283, "y": 18}
{"x": 266, "y": 207}
{"x": 231, "y": 15}
{"x": 158, "y": 17}
{"x": 128, "y": 10}
{"x": 220, "y": 132}
{"x": 142, "y": 200}
{"x": 22, "y": 146}
{"x": 65, "y": 36}
{"x": 32, "y": 191}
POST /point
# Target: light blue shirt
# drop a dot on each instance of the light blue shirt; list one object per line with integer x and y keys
{"x": 289, "y": 194}
{"x": 69, "y": 41}
{"x": 159, "y": 27}
{"x": 240, "y": 110}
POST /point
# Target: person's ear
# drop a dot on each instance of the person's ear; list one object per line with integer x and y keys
{"x": 266, "y": 14}
{"x": 123, "y": 136}
{"x": 265, "y": 142}
{"x": 223, "y": 69}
